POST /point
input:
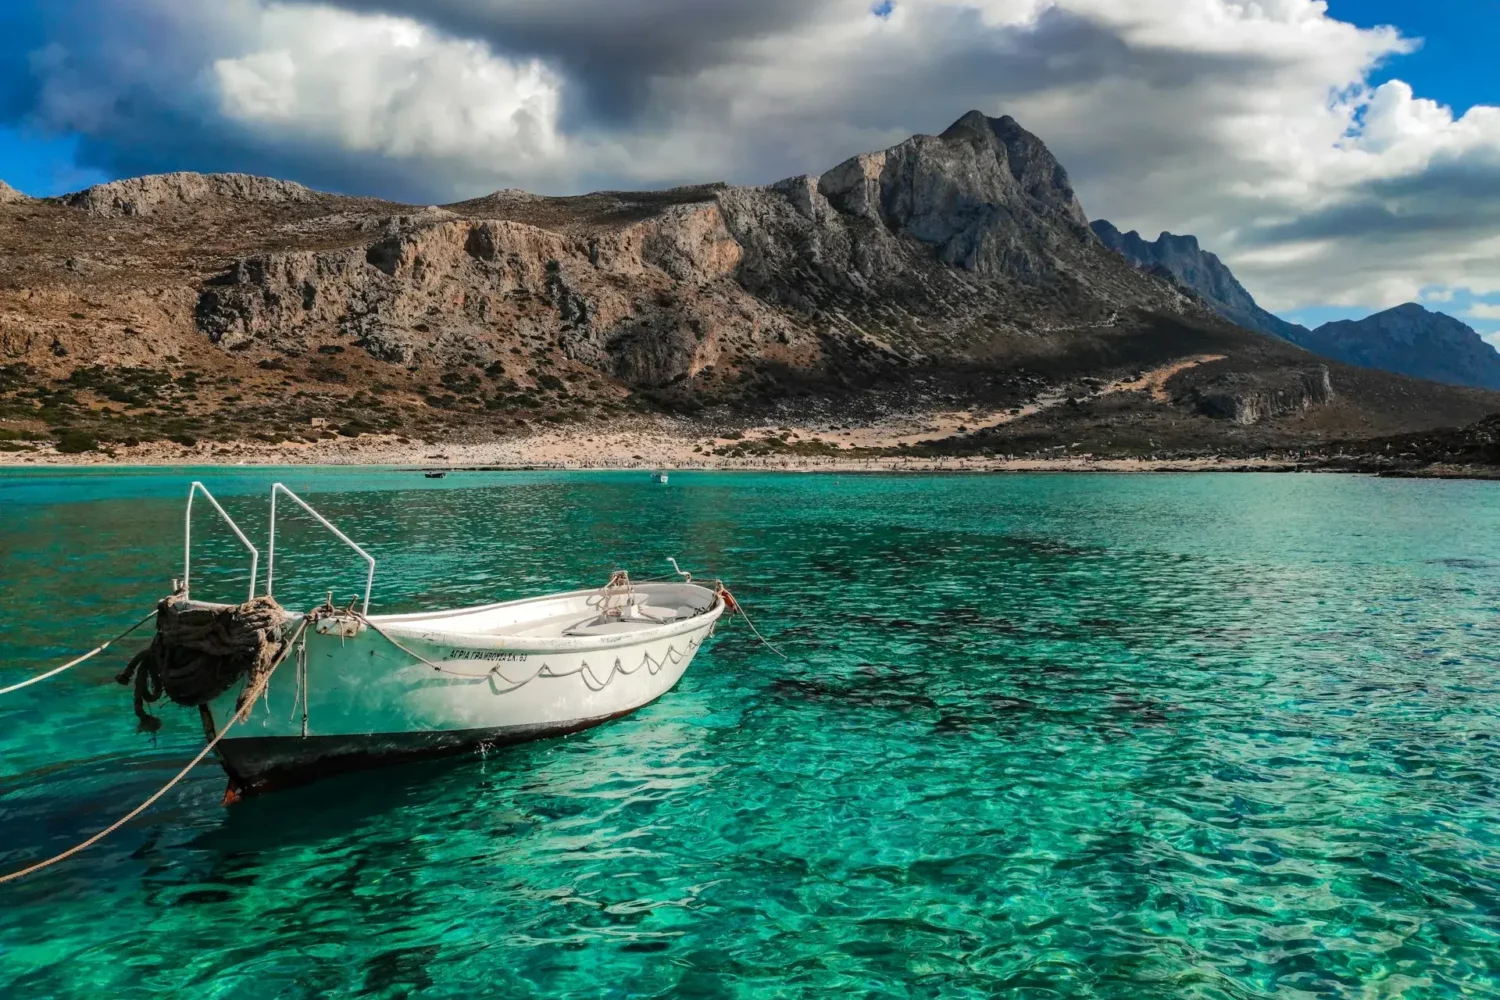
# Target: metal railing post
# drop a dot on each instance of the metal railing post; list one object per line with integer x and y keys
{"x": 271, "y": 549}
{"x": 187, "y": 540}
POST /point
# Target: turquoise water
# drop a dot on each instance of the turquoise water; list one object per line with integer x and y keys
{"x": 1051, "y": 736}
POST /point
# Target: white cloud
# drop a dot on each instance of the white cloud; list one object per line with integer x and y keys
{"x": 1485, "y": 310}
{"x": 392, "y": 87}
{"x": 1250, "y": 124}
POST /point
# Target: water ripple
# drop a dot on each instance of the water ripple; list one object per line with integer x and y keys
{"x": 1219, "y": 736}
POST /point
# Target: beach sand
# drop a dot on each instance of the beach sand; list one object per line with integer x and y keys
{"x": 640, "y": 443}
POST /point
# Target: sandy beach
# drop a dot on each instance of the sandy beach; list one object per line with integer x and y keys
{"x": 642, "y": 443}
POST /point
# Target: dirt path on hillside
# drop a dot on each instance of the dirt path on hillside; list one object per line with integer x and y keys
{"x": 937, "y": 426}
{"x": 1155, "y": 381}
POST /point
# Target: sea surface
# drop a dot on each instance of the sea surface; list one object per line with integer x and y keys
{"x": 1038, "y": 736}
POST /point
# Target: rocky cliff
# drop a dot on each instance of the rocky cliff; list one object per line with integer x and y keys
{"x": 1199, "y": 270}
{"x": 10, "y": 196}
{"x": 951, "y": 270}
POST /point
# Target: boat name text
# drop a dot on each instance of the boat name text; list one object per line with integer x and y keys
{"x": 488, "y": 655}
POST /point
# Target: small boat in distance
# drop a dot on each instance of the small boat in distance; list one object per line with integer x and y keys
{"x": 434, "y": 473}
{"x": 659, "y": 477}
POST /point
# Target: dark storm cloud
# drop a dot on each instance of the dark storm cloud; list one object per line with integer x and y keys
{"x": 612, "y": 50}
{"x": 1450, "y": 199}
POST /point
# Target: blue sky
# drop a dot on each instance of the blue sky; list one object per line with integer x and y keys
{"x": 1457, "y": 63}
{"x": 1298, "y": 143}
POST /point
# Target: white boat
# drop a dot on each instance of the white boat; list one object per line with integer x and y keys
{"x": 359, "y": 689}
{"x": 659, "y": 477}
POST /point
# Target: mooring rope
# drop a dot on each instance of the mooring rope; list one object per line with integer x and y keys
{"x": 239, "y": 716}
{"x": 73, "y": 663}
{"x": 735, "y": 605}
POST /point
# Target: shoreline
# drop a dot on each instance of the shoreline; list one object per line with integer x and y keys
{"x": 658, "y": 445}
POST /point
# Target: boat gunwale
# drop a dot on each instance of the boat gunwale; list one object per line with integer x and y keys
{"x": 511, "y": 642}
{"x": 409, "y": 625}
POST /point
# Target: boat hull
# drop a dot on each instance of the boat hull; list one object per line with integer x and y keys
{"x": 360, "y": 696}
{"x": 266, "y": 763}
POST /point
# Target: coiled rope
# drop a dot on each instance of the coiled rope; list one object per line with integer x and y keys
{"x": 246, "y": 703}
{"x": 73, "y": 663}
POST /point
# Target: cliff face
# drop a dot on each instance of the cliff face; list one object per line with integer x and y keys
{"x": 10, "y": 196}
{"x": 1412, "y": 341}
{"x": 1193, "y": 267}
{"x": 1247, "y": 399}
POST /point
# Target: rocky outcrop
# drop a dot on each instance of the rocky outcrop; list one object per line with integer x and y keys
{"x": 1410, "y": 340}
{"x": 649, "y": 303}
{"x": 157, "y": 193}
{"x": 1188, "y": 264}
{"x": 10, "y": 196}
{"x": 1245, "y": 398}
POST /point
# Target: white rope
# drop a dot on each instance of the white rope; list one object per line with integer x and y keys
{"x": 73, "y": 663}
{"x": 763, "y": 640}
{"x": 238, "y": 716}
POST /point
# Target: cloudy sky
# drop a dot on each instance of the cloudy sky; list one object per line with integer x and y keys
{"x": 1341, "y": 156}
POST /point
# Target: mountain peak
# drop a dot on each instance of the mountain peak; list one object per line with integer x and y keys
{"x": 1412, "y": 340}
{"x": 1411, "y": 309}
{"x": 971, "y": 122}
{"x": 986, "y": 192}
{"x": 9, "y": 195}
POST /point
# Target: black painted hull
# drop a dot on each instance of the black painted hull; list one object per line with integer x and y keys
{"x": 265, "y": 763}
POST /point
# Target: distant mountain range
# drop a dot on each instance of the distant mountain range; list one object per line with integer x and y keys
{"x": 1407, "y": 340}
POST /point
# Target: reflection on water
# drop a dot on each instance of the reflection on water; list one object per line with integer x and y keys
{"x": 1044, "y": 736}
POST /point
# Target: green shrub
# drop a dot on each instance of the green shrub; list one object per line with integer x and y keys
{"x": 72, "y": 442}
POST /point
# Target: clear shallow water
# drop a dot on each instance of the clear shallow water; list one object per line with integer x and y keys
{"x": 1053, "y": 736}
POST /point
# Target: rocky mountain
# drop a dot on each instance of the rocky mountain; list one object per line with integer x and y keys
{"x": 1407, "y": 340}
{"x": 10, "y": 196}
{"x": 1411, "y": 340}
{"x": 948, "y": 271}
{"x": 1190, "y": 265}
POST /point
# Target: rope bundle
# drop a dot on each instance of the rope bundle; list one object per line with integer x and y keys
{"x": 200, "y": 652}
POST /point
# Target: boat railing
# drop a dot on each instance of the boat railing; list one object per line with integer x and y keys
{"x": 187, "y": 539}
{"x": 271, "y": 547}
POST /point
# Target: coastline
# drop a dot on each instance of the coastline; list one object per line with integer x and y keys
{"x": 660, "y": 444}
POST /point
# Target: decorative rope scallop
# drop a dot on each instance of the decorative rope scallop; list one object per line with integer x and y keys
{"x": 584, "y": 672}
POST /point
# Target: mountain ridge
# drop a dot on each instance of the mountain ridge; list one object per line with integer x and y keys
{"x": 1412, "y": 340}
{"x": 1200, "y": 270}
{"x": 1406, "y": 340}
{"x": 947, "y": 271}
